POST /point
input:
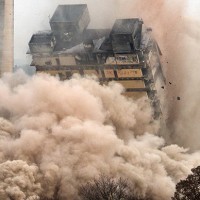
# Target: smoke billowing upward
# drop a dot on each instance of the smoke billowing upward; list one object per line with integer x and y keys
{"x": 63, "y": 134}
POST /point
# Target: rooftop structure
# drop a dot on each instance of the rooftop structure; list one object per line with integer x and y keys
{"x": 126, "y": 35}
{"x": 69, "y": 19}
{"x": 42, "y": 42}
{"x": 41, "y": 38}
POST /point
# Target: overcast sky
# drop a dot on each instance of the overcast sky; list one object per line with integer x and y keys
{"x": 33, "y": 15}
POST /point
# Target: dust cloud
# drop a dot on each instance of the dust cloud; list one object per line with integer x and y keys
{"x": 56, "y": 136}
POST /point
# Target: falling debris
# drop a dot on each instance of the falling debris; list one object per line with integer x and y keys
{"x": 163, "y": 87}
{"x": 170, "y": 83}
{"x": 178, "y": 98}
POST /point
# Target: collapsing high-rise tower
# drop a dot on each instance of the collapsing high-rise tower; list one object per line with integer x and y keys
{"x": 6, "y": 36}
{"x": 126, "y": 53}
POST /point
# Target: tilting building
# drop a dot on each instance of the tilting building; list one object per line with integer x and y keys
{"x": 126, "y": 53}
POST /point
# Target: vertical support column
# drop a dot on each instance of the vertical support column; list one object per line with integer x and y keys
{"x": 6, "y": 36}
{"x": 2, "y": 4}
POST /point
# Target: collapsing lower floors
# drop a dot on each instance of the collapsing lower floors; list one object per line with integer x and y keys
{"x": 138, "y": 77}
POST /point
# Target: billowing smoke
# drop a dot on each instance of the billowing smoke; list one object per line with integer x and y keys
{"x": 19, "y": 181}
{"x": 56, "y": 136}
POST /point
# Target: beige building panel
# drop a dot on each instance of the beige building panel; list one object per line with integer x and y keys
{"x": 67, "y": 60}
{"x": 92, "y": 72}
{"x": 38, "y": 61}
{"x": 109, "y": 73}
{"x": 135, "y": 95}
{"x": 132, "y": 83}
{"x": 129, "y": 73}
{"x": 75, "y": 72}
{"x": 42, "y": 61}
{"x": 53, "y": 61}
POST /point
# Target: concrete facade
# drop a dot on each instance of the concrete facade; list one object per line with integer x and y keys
{"x": 6, "y": 36}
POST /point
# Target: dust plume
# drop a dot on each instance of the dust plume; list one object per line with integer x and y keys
{"x": 56, "y": 136}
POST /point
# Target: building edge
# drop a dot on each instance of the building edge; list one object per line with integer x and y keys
{"x": 7, "y": 38}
